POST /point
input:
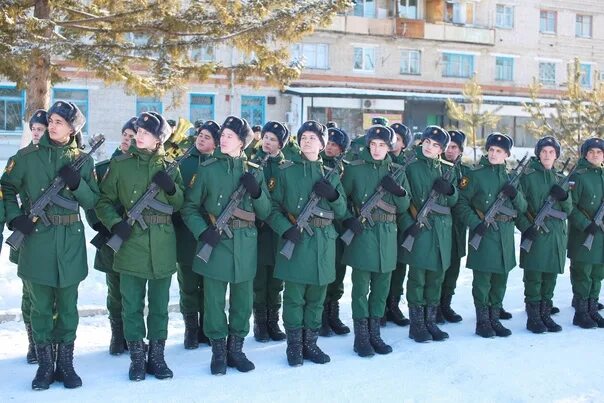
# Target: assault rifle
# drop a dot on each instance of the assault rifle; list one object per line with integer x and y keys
{"x": 598, "y": 221}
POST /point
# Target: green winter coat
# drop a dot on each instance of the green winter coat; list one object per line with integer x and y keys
{"x": 587, "y": 195}
{"x": 232, "y": 260}
{"x": 549, "y": 249}
{"x": 375, "y": 249}
{"x": 480, "y": 188}
{"x": 54, "y": 256}
{"x": 432, "y": 248}
{"x": 313, "y": 260}
{"x": 149, "y": 253}
{"x": 291, "y": 149}
{"x": 459, "y": 228}
{"x": 357, "y": 145}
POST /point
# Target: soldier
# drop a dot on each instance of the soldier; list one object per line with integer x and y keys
{"x": 52, "y": 260}
{"x": 495, "y": 257}
{"x": 372, "y": 252}
{"x": 393, "y": 311}
{"x": 147, "y": 258}
{"x": 267, "y": 288}
{"x": 190, "y": 283}
{"x": 337, "y": 143}
{"x": 587, "y": 265}
{"x": 545, "y": 259}
{"x": 291, "y": 149}
{"x": 256, "y": 143}
{"x": 312, "y": 265}
{"x": 233, "y": 261}
{"x": 430, "y": 255}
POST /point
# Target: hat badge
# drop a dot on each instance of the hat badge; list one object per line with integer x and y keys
{"x": 498, "y": 138}
{"x": 39, "y": 114}
{"x": 59, "y": 104}
{"x": 435, "y": 131}
{"x": 275, "y": 125}
{"x": 146, "y": 118}
{"x": 377, "y": 130}
{"x": 310, "y": 124}
{"x": 231, "y": 119}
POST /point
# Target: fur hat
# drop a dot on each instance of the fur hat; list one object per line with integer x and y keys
{"x": 547, "y": 141}
{"x": 437, "y": 134}
{"x": 382, "y": 133}
{"x": 240, "y": 127}
{"x": 402, "y": 131}
{"x": 499, "y": 140}
{"x": 40, "y": 117}
{"x": 458, "y": 137}
{"x": 213, "y": 128}
{"x": 340, "y": 137}
{"x": 155, "y": 124}
{"x": 593, "y": 142}
{"x": 130, "y": 124}
{"x": 70, "y": 112}
{"x": 315, "y": 127}
{"x": 279, "y": 130}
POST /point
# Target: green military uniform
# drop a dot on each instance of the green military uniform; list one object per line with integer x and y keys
{"x": 398, "y": 275}
{"x": 233, "y": 261}
{"x": 356, "y": 146}
{"x": 148, "y": 257}
{"x": 290, "y": 149}
{"x": 52, "y": 260}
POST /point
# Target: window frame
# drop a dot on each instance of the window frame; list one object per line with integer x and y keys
{"x": 298, "y": 54}
{"x": 140, "y": 103}
{"x": 502, "y": 68}
{"x": 463, "y": 57}
{"x": 192, "y": 106}
{"x": 547, "y": 83}
{"x": 262, "y": 121}
{"x": 364, "y": 50}
{"x": 13, "y": 99}
{"x": 547, "y": 13}
{"x": 362, "y": 4}
{"x": 501, "y": 18}
{"x": 75, "y": 101}
{"x": 408, "y": 53}
{"x": 582, "y": 25}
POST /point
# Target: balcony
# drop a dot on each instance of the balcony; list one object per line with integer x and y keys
{"x": 363, "y": 26}
{"x": 445, "y": 32}
{"x": 406, "y": 28}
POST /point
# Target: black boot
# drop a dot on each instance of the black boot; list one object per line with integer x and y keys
{"x": 310, "y": 350}
{"x": 483, "y": 322}
{"x": 333, "y": 316}
{"x": 500, "y": 330}
{"x": 417, "y": 328}
{"x": 191, "y": 340}
{"x": 236, "y": 357}
{"x": 534, "y": 321}
{"x": 137, "y": 360}
{"x": 325, "y": 330}
{"x": 504, "y": 315}
{"x": 260, "y": 325}
{"x": 554, "y": 309}
{"x": 274, "y": 331}
{"x": 117, "y": 345}
{"x": 45, "y": 373}
{"x": 439, "y": 318}
{"x": 156, "y": 363}
{"x": 218, "y": 365}
{"x": 545, "y": 310}
{"x": 294, "y": 347}
{"x": 582, "y": 317}
{"x": 362, "y": 346}
{"x": 394, "y": 313}
{"x": 600, "y": 306}
{"x": 433, "y": 329}
{"x": 201, "y": 336}
{"x": 375, "y": 339}
{"x": 448, "y": 313}
{"x": 31, "y": 357}
{"x": 593, "y": 312}
{"x": 65, "y": 372}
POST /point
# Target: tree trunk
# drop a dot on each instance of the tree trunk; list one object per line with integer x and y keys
{"x": 38, "y": 77}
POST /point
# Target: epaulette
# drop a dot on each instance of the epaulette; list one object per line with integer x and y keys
{"x": 123, "y": 157}
{"x": 209, "y": 161}
{"x": 252, "y": 164}
{"x": 445, "y": 162}
{"x": 29, "y": 149}
{"x": 345, "y": 162}
{"x": 394, "y": 166}
{"x": 528, "y": 170}
{"x": 356, "y": 162}
{"x": 285, "y": 164}
{"x": 477, "y": 167}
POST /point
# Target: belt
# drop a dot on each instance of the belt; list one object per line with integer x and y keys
{"x": 152, "y": 219}
{"x": 67, "y": 219}
{"x": 235, "y": 223}
{"x": 319, "y": 222}
{"x": 503, "y": 218}
{"x": 383, "y": 217}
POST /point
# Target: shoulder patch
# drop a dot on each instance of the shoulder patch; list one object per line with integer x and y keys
{"x": 571, "y": 185}
{"x": 528, "y": 170}
{"x": 357, "y": 162}
{"x": 29, "y": 149}
{"x": 209, "y": 161}
{"x": 192, "y": 181}
{"x": 272, "y": 182}
{"x": 286, "y": 164}
{"x": 9, "y": 167}
{"x": 464, "y": 182}
{"x": 122, "y": 157}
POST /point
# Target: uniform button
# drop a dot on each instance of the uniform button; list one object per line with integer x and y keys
{"x": 489, "y": 195}
{"x": 219, "y": 204}
{"x": 220, "y": 197}
{"x": 131, "y": 201}
{"x": 135, "y": 192}
{"x": 298, "y": 206}
{"x": 300, "y": 198}
{"x": 78, "y": 230}
{"x": 42, "y": 189}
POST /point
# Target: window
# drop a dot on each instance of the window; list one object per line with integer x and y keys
{"x": 252, "y": 109}
{"x": 313, "y": 55}
{"x": 78, "y": 97}
{"x": 583, "y": 26}
{"x": 504, "y": 68}
{"x": 458, "y": 65}
{"x": 586, "y": 75}
{"x": 148, "y": 104}
{"x": 364, "y": 59}
{"x": 504, "y": 17}
{"x": 547, "y": 23}
{"x": 364, "y": 8}
{"x": 547, "y": 73}
{"x": 411, "y": 62}
{"x": 12, "y": 106}
{"x": 459, "y": 12}
{"x": 204, "y": 54}
{"x": 201, "y": 107}
{"x": 408, "y": 9}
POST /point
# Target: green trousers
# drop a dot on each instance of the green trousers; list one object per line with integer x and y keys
{"x": 54, "y": 313}
{"x": 377, "y": 285}
{"x": 25, "y": 303}
{"x": 335, "y": 290}
{"x": 133, "y": 291}
{"x": 215, "y": 323}
{"x": 451, "y": 275}
{"x": 397, "y": 279}
{"x": 423, "y": 286}
{"x": 538, "y": 285}
{"x": 488, "y": 289}
{"x": 586, "y": 279}
{"x": 303, "y": 305}
{"x": 114, "y": 295}
{"x": 190, "y": 286}
{"x": 267, "y": 288}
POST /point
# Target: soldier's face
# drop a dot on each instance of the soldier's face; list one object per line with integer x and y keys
{"x": 145, "y": 140}
{"x": 378, "y": 149}
{"x": 37, "y": 130}
{"x": 257, "y": 136}
{"x": 497, "y": 155}
{"x": 270, "y": 143}
{"x": 332, "y": 149}
{"x": 595, "y": 156}
{"x": 204, "y": 142}
{"x": 58, "y": 129}
{"x": 547, "y": 156}
{"x": 399, "y": 146}
{"x": 230, "y": 143}
{"x": 310, "y": 145}
{"x": 431, "y": 149}
{"x": 452, "y": 152}
{"x": 127, "y": 136}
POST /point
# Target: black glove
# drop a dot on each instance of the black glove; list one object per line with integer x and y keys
{"x": 391, "y": 186}
{"x": 211, "y": 236}
{"x": 353, "y": 224}
{"x": 70, "y": 176}
{"x": 325, "y": 190}
{"x": 480, "y": 229}
{"x": 558, "y": 193}
{"x": 250, "y": 184}
{"x": 101, "y": 229}
{"x": 163, "y": 180}
{"x": 412, "y": 230}
{"x": 509, "y": 190}
{"x": 23, "y": 224}
{"x": 122, "y": 229}
{"x": 591, "y": 229}
{"x": 293, "y": 234}
{"x": 443, "y": 187}
{"x": 530, "y": 234}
